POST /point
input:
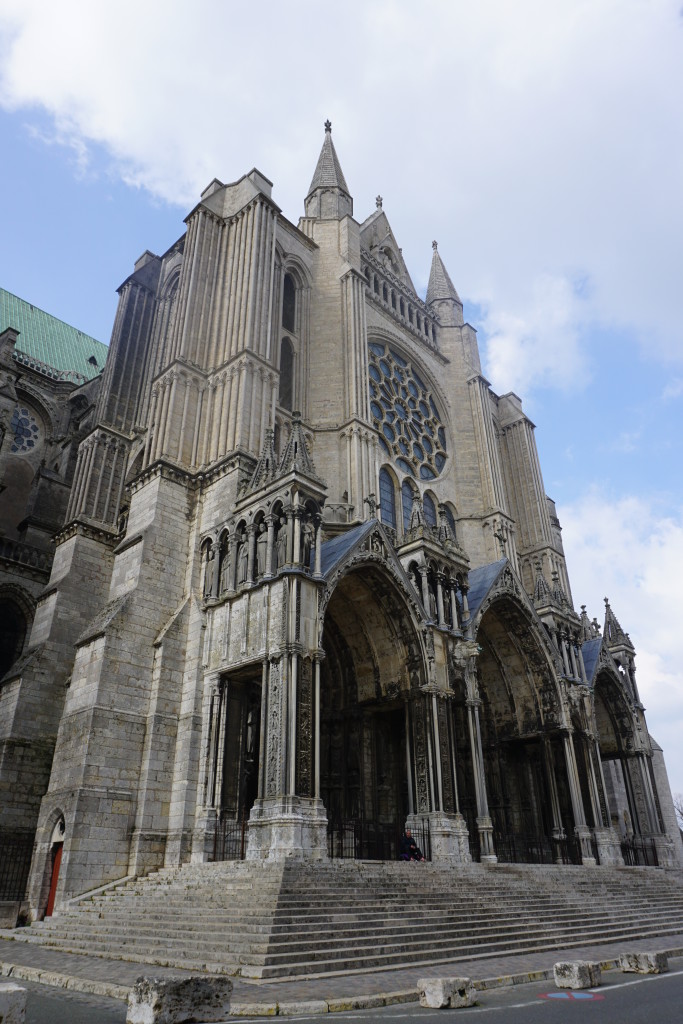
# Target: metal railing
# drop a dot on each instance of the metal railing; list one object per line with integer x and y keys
{"x": 358, "y": 839}
{"x": 519, "y": 848}
{"x": 640, "y": 851}
{"x": 15, "y": 863}
{"x": 230, "y": 838}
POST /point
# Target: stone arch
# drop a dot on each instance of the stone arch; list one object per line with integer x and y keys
{"x": 523, "y": 727}
{"x": 622, "y": 762}
{"x": 374, "y": 665}
{"x": 16, "y": 617}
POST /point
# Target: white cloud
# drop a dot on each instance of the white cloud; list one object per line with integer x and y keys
{"x": 626, "y": 550}
{"x": 539, "y": 142}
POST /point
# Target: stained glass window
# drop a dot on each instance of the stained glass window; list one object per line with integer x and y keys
{"x": 405, "y": 413}
{"x": 25, "y": 430}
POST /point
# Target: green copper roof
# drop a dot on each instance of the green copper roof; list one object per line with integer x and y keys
{"x": 48, "y": 344}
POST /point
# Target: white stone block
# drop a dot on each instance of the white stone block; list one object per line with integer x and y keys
{"x": 439, "y": 993}
{"x": 12, "y": 1003}
{"x": 644, "y": 963}
{"x": 577, "y": 974}
{"x": 175, "y": 1000}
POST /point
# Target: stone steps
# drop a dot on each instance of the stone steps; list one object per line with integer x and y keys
{"x": 287, "y": 920}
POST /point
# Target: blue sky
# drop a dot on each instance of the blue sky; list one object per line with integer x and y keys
{"x": 540, "y": 143}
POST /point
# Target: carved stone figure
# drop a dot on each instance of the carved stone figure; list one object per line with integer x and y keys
{"x": 242, "y": 559}
{"x": 281, "y": 542}
{"x": 262, "y": 550}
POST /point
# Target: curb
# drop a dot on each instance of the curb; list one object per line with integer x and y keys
{"x": 292, "y": 1007}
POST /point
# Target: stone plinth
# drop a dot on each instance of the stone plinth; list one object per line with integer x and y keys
{"x": 287, "y": 827}
{"x": 441, "y": 993}
{"x": 576, "y": 974}
{"x": 175, "y": 1001}
{"x": 12, "y": 1003}
{"x": 644, "y": 963}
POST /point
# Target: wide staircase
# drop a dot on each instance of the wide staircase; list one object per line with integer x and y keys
{"x": 283, "y": 920}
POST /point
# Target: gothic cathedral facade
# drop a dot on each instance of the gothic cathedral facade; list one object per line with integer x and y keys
{"x": 309, "y": 584}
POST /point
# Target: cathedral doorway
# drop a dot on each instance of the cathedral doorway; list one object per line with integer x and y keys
{"x": 631, "y": 794}
{"x": 233, "y": 777}
{"x": 527, "y": 787}
{"x": 371, "y": 662}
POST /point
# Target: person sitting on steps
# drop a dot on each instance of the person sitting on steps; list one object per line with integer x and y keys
{"x": 409, "y": 848}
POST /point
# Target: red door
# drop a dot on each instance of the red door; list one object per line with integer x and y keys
{"x": 56, "y": 862}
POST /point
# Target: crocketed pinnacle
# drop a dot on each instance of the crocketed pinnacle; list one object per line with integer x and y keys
{"x": 295, "y": 457}
{"x": 328, "y": 172}
{"x": 266, "y": 467}
{"x": 612, "y": 631}
{"x": 440, "y": 285}
{"x": 542, "y": 595}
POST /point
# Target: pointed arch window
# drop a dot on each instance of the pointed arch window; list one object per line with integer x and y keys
{"x": 406, "y": 503}
{"x": 289, "y": 303}
{"x": 286, "y": 395}
{"x": 387, "y": 498}
{"x": 429, "y": 510}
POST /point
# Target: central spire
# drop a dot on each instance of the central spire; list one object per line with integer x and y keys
{"x": 328, "y": 196}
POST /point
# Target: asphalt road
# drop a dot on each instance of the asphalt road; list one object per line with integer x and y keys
{"x": 622, "y": 999}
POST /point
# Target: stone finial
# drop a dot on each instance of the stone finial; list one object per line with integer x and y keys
{"x": 378, "y": 202}
{"x": 328, "y": 126}
{"x": 435, "y": 246}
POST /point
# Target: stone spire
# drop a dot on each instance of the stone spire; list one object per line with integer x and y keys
{"x": 328, "y": 196}
{"x": 295, "y": 457}
{"x": 266, "y": 467}
{"x": 588, "y": 630}
{"x": 441, "y": 293}
{"x": 612, "y": 631}
{"x": 542, "y": 594}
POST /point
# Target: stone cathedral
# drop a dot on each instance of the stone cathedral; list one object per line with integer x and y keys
{"x": 308, "y": 588}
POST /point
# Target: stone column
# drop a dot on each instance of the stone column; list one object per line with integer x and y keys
{"x": 581, "y": 829}
{"x": 439, "y": 599}
{"x": 558, "y": 832}
{"x": 251, "y": 550}
{"x": 318, "y": 545}
{"x": 270, "y": 521}
{"x": 423, "y": 570}
{"x": 484, "y": 823}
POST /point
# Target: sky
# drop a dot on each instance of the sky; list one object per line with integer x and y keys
{"x": 540, "y": 143}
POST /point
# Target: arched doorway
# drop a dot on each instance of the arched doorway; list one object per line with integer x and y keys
{"x": 13, "y": 629}
{"x": 522, "y": 740}
{"x": 373, "y": 667}
{"x": 632, "y": 801}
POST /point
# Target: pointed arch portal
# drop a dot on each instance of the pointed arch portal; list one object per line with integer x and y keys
{"x": 373, "y": 667}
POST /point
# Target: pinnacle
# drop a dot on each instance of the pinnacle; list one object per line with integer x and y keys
{"x": 440, "y": 285}
{"x": 328, "y": 172}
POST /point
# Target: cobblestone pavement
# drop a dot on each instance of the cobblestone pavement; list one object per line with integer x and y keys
{"x": 113, "y": 978}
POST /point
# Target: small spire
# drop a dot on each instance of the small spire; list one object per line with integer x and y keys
{"x": 612, "y": 631}
{"x": 378, "y": 202}
{"x": 328, "y": 196}
{"x": 296, "y": 457}
{"x": 266, "y": 467}
{"x": 588, "y": 631}
{"x": 440, "y": 285}
{"x": 559, "y": 595}
{"x": 542, "y": 595}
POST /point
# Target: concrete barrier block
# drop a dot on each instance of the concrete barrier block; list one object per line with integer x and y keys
{"x": 12, "y": 1003}
{"x": 177, "y": 1000}
{"x": 439, "y": 993}
{"x": 577, "y": 974}
{"x": 644, "y": 963}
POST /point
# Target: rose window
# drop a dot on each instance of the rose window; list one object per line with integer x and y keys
{"x": 411, "y": 431}
{"x": 24, "y": 429}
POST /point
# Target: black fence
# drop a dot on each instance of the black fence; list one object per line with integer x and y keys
{"x": 15, "y": 863}
{"x": 357, "y": 839}
{"x": 518, "y": 848}
{"x": 230, "y": 839}
{"x": 640, "y": 851}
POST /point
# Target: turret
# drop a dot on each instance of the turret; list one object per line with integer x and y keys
{"x": 328, "y": 196}
{"x": 441, "y": 293}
